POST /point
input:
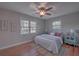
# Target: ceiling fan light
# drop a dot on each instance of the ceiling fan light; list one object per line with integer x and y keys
{"x": 42, "y": 12}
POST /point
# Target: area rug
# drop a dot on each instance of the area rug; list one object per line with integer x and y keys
{"x": 40, "y": 51}
{"x": 37, "y": 51}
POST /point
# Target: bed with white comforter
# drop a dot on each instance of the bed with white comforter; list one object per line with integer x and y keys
{"x": 51, "y": 43}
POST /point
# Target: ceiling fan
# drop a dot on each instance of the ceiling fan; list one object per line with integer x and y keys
{"x": 42, "y": 8}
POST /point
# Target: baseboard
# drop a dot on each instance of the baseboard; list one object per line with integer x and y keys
{"x": 9, "y": 46}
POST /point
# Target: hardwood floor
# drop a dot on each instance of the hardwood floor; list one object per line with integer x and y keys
{"x": 20, "y": 49}
{"x": 72, "y": 51}
{"x": 16, "y": 50}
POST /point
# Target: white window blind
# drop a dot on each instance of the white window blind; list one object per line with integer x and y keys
{"x": 28, "y": 26}
{"x": 24, "y": 26}
{"x": 33, "y": 27}
{"x": 56, "y": 24}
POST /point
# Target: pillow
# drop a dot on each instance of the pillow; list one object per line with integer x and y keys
{"x": 52, "y": 34}
{"x": 58, "y": 34}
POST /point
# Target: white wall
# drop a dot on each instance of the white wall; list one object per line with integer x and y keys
{"x": 10, "y": 38}
{"x": 70, "y": 21}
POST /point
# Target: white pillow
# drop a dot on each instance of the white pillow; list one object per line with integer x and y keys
{"x": 52, "y": 34}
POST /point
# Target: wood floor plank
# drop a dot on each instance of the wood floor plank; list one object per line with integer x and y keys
{"x": 17, "y": 50}
{"x": 76, "y": 51}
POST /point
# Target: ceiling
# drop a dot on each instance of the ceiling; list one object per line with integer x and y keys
{"x": 62, "y": 8}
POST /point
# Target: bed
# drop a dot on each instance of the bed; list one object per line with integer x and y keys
{"x": 49, "y": 42}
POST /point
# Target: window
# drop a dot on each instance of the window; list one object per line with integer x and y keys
{"x": 56, "y": 24}
{"x": 24, "y": 26}
{"x": 28, "y": 27}
{"x": 33, "y": 27}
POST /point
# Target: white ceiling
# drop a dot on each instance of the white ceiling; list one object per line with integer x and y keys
{"x": 62, "y": 8}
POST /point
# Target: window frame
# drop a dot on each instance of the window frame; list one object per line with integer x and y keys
{"x": 33, "y": 28}
{"x": 23, "y": 27}
{"x": 55, "y": 25}
{"x": 30, "y": 27}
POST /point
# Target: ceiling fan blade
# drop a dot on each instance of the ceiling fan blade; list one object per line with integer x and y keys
{"x": 48, "y": 8}
{"x": 48, "y": 14}
{"x": 53, "y": 9}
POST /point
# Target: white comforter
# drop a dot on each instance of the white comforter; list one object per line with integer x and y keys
{"x": 51, "y": 43}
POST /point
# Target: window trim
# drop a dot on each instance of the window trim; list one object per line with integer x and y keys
{"x": 29, "y": 27}
{"x": 56, "y": 26}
